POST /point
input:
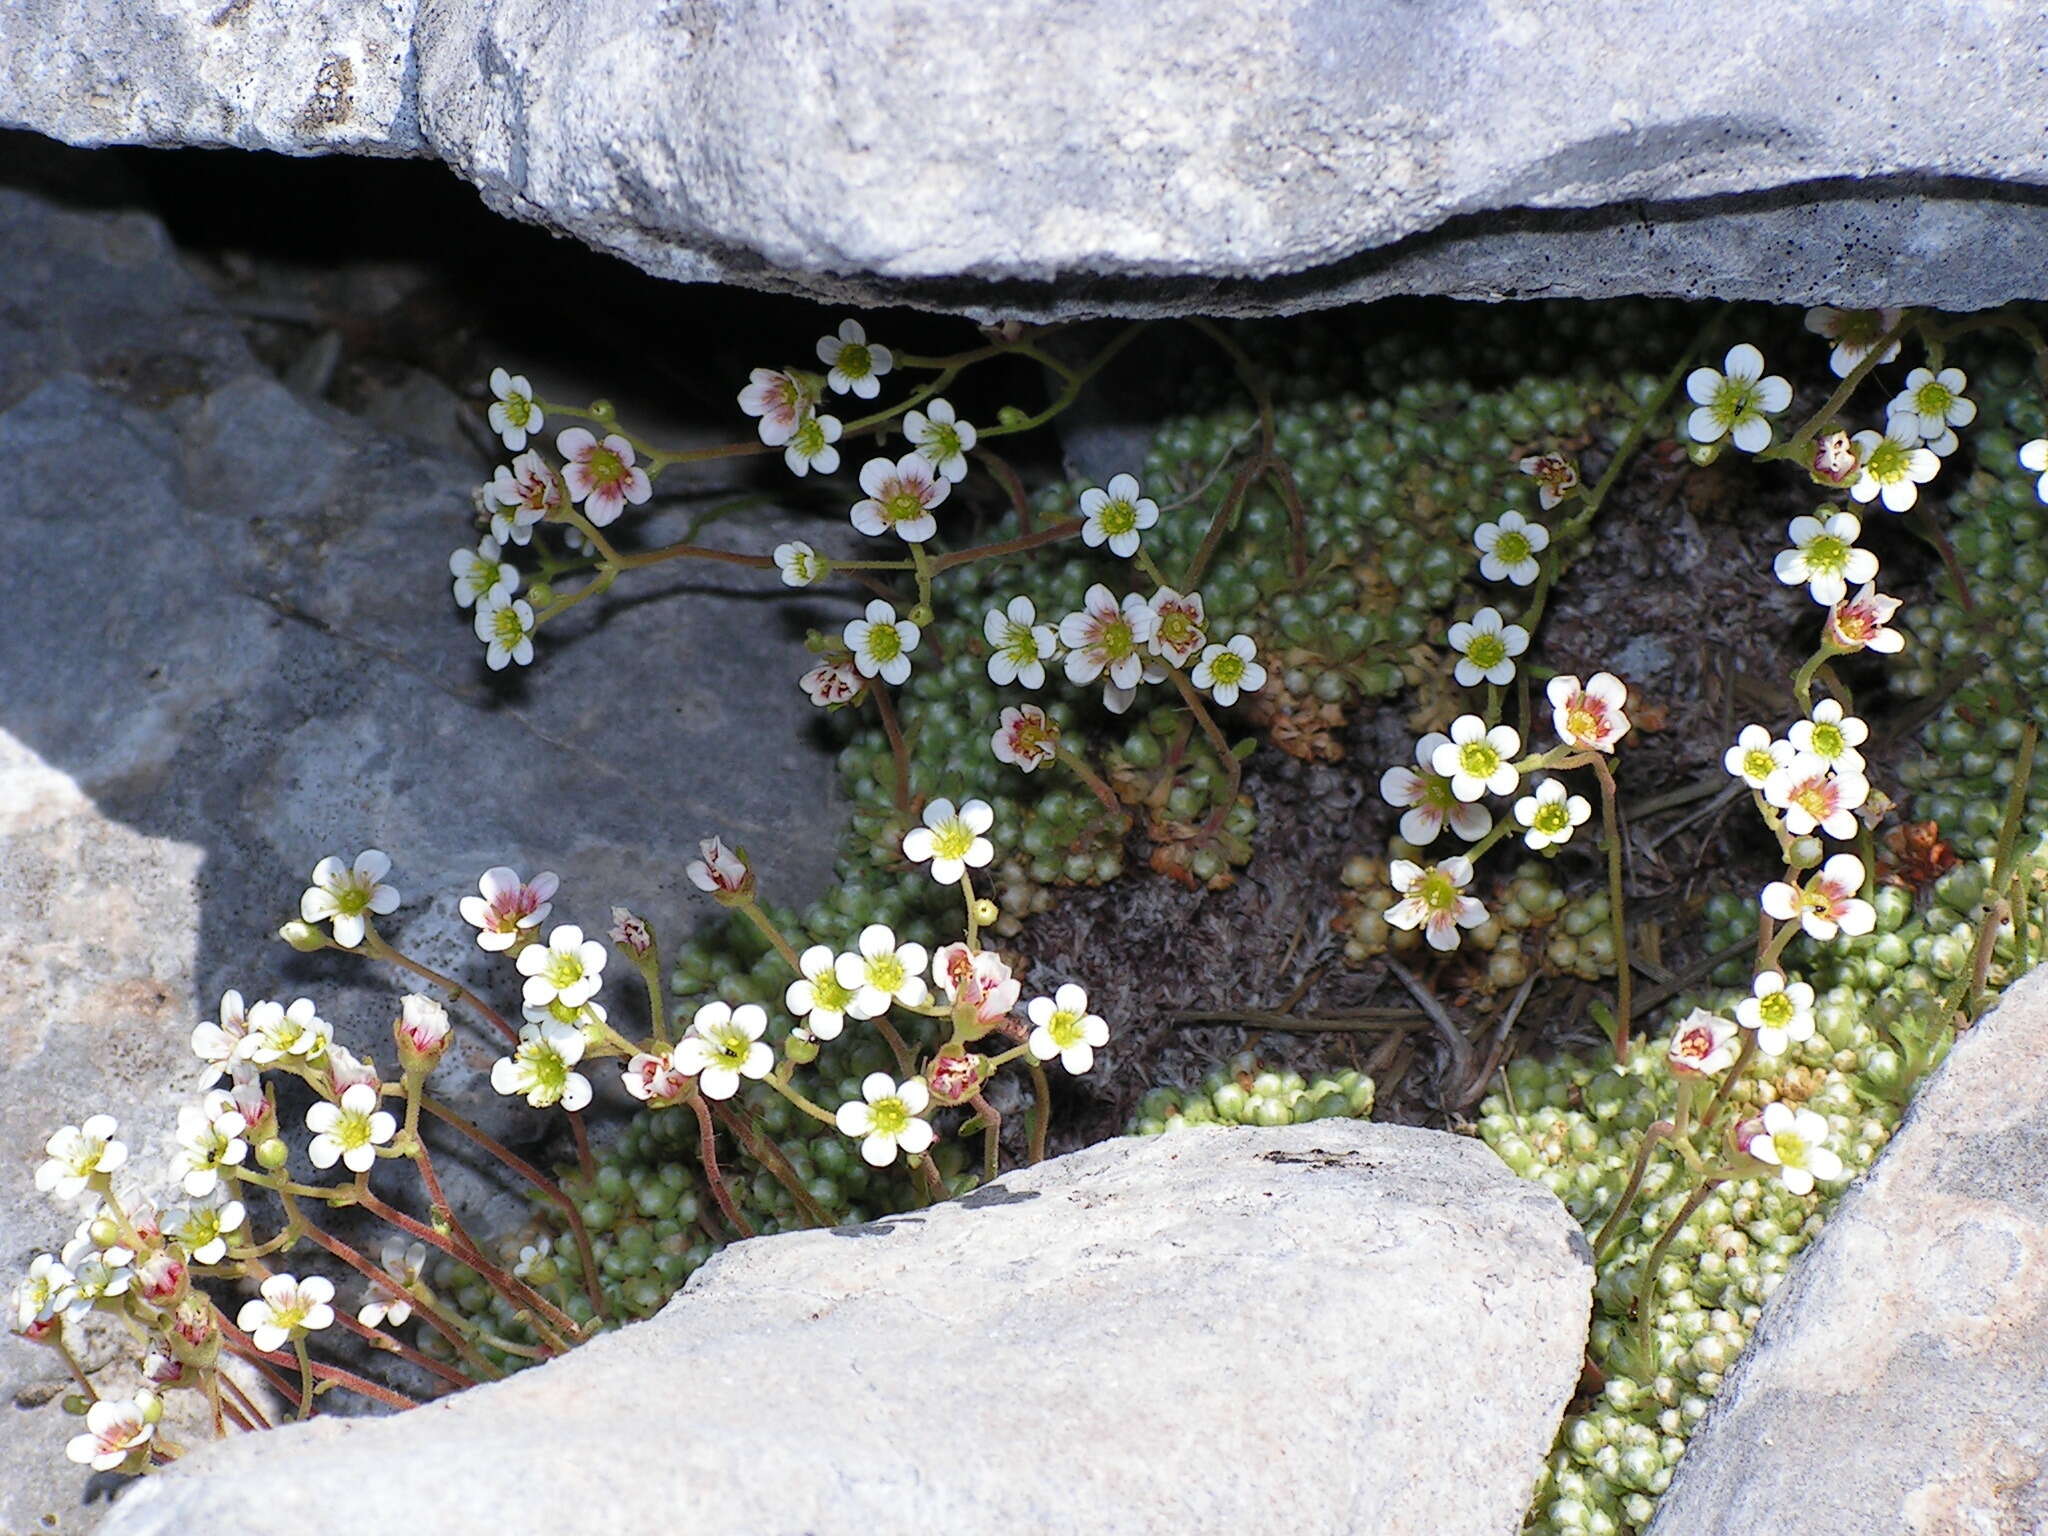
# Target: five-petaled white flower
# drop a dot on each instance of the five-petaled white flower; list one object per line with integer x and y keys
{"x": 1828, "y": 903}
{"x": 525, "y": 491}
{"x": 203, "y": 1230}
{"x": 44, "y": 1292}
{"x": 1225, "y": 671}
{"x": 509, "y": 907}
{"x": 942, "y": 437}
{"x": 881, "y": 973}
{"x": 1117, "y": 515}
{"x": 1795, "y": 1142}
{"x": 1702, "y": 1045}
{"x": 722, "y": 1046}
{"x": 1179, "y": 626}
{"x": 900, "y": 497}
{"x": 1433, "y": 899}
{"x": 1025, "y": 737}
{"x": 568, "y": 969}
{"x": 402, "y": 1261}
{"x": 349, "y": 1132}
{"x": 506, "y": 629}
{"x": 813, "y": 445}
{"x": 2034, "y": 457}
{"x": 286, "y": 1308}
{"x": 1019, "y": 646}
{"x": 952, "y": 839}
{"x": 1855, "y": 333}
{"x": 601, "y": 474}
{"x": 719, "y": 868}
{"x": 1062, "y": 1026}
{"x": 1736, "y": 400}
{"x": 1589, "y": 715}
{"x": 1551, "y": 815}
{"x": 1426, "y": 798}
{"x": 76, "y": 1154}
{"x": 1755, "y": 756}
{"x": 1893, "y": 468}
{"x": 346, "y": 893}
{"x": 1859, "y": 623}
{"x": 857, "y": 364}
{"x": 977, "y": 983}
{"x": 816, "y": 996}
{"x": 885, "y": 1117}
{"x": 783, "y": 401}
{"x": 1831, "y": 736}
{"x": 515, "y": 413}
{"x": 1508, "y": 548}
{"x": 1811, "y": 797}
{"x": 1486, "y": 648}
{"x": 218, "y": 1043}
{"x": 1780, "y": 1011}
{"x": 116, "y": 1428}
{"x": 276, "y": 1031}
{"x": 210, "y": 1139}
{"x": 482, "y": 576}
{"x": 541, "y": 1066}
{"x": 800, "y": 565}
{"x": 1824, "y": 556}
{"x": 1107, "y": 636}
{"x": 881, "y": 643}
{"x": 834, "y": 681}
{"x": 1931, "y": 407}
{"x": 1555, "y": 475}
{"x": 653, "y": 1079}
{"x": 1479, "y": 761}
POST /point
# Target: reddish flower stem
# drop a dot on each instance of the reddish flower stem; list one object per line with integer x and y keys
{"x": 707, "y": 1154}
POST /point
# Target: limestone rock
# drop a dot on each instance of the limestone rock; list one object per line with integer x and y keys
{"x": 1898, "y": 1381}
{"x": 1334, "y": 1327}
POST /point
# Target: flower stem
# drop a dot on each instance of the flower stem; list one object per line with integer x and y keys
{"x": 760, "y": 1146}
{"x": 1624, "y": 974}
{"x": 897, "y": 748}
{"x": 991, "y": 1144}
{"x": 1651, "y": 1137}
{"x": 1646, "y": 1283}
{"x": 1041, "y": 1109}
{"x": 305, "y": 1379}
{"x": 707, "y": 1154}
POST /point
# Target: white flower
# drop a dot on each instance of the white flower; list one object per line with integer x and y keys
{"x": 882, "y": 972}
{"x": 1735, "y": 400}
{"x": 1828, "y": 903}
{"x": 349, "y": 1132}
{"x": 1428, "y": 801}
{"x": 1795, "y": 1141}
{"x": 77, "y": 1154}
{"x": 1831, "y": 736}
{"x": 942, "y": 438}
{"x": 601, "y": 474}
{"x": 1062, "y": 1026}
{"x": 286, "y": 1308}
{"x": 568, "y": 969}
{"x": 1930, "y": 407}
{"x": 783, "y": 401}
{"x": 952, "y": 839}
{"x": 1179, "y": 626}
{"x": 97, "y": 1274}
{"x": 116, "y": 1429}
{"x": 526, "y": 491}
{"x": 1434, "y": 900}
{"x": 1019, "y": 646}
{"x": 900, "y": 498}
{"x": 1508, "y": 548}
{"x": 1702, "y": 1045}
{"x": 1486, "y": 648}
{"x": 1855, "y": 332}
{"x": 724, "y": 1045}
{"x": 1894, "y": 469}
{"x": 719, "y": 868}
{"x": 540, "y": 1064}
{"x": 834, "y": 681}
{"x": 1755, "y": 756}
{"x": 1479, "y": 761}
{"x": 857, "y": 364}
{"x": 203, "y": 1230}
{"x": 816, "y": 996}
{"x": 1228, "y": 670}
{"x": 403, "y": 1262}
{"x": 43, "y": 1293}
{"x": 1589, "y": 715}
{"x": 812, "y": 446}
{"x": 276, "y": 1032}
{"x": 344, "y": 893}
{"x": 1811, "y": 797}
{"x": 1780, "y": 1012}
{"x": 210, "y": 1139}
{"x": 1859, "y": 623}
{"x": 218, "y": 1044}
{"x": 881, "y": 643}
{"x": 1551, "y": 815}
{"x": 481, "y": 575}
{"x": 1025, "y": 737}
{"x": 506, "y": 630}
{"x": 2034, "y": 456}
{"x": 1825, "y": 557}
{"x": 508, "y": 907}
{"x": 800, "y": 564}
{"x": 1116, "y": 516}
{"x": 653, "y": 1079}
{"x": 1107, "y": 636}
{"x": 885, "y": 1117}
{"x": 514, "y": 413}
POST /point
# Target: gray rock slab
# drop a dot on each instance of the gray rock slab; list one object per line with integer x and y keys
{"x": 1898, "y": 1381}
{"x": 229, "y": 649}
{"x": 1323, "y": 1328}
{"x": 1026, "y": 157}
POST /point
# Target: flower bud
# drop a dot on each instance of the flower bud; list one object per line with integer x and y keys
{"x": 421, "y": 1032}
{"x": 540, "y": 594}
{"x": 162, "y": 1277}
{"x": 1834, "y": 460}
{"x": 723, "y": 872}
{"x": 800, "y": 1047}
{"x": 1806, "y": 852}
{"x": 272, "y": 1154}
{"x": 985, "y": 912}
{"x": 303, "y": 937}
{"x": 104, "y": 1231}
{"x": 631, "y": 933}
{"x": 956, "y": 1079}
